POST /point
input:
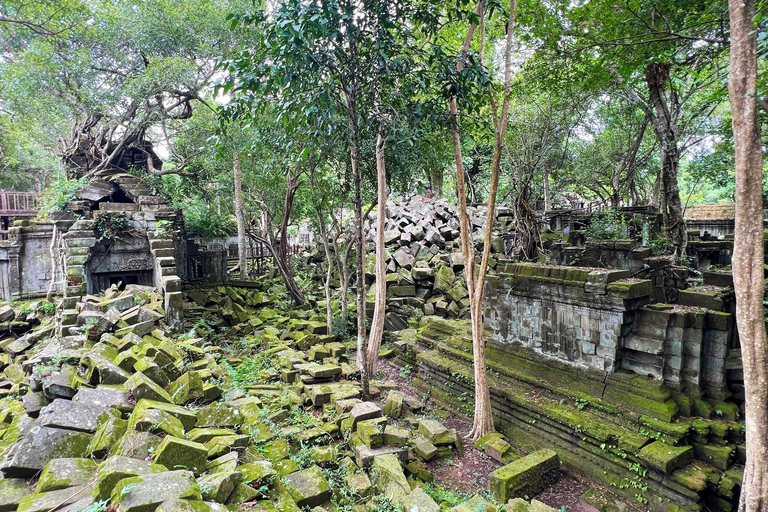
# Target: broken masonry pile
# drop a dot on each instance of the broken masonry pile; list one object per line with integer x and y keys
{"x": 423, "y": 257}
{"x": 119, "y": 413}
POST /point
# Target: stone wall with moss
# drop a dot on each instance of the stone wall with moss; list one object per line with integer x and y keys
{"x": 576, "y": 315}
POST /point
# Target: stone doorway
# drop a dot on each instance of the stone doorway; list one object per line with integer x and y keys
{"x": 102, "y": 281}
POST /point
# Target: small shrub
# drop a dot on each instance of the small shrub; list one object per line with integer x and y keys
{"x": 610, "y": 225}
{"x": 110, "y": 226}
{"x": 47, "y": 308}
{"x": 163, "y": 228}
{"x": 342, "y": 326}
{"x": 661, "y": 246}
{"x": 58, "y": 196}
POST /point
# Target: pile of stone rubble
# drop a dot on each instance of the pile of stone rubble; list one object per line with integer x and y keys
{"x": 122, "y": 415}
{"x": 424, "y": 260}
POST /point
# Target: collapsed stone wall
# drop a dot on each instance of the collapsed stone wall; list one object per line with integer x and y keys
{"x": 140, "y": 250}
{"x": 423, "y": 257}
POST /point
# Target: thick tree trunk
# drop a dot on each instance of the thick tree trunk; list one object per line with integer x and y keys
{"x": 242, "y": 248}
{"x": 748, "y": 252}
{"x": 377, "y": 325}
{"x": 435, "y": 183}
{"x": 354, "y": 137}
{"x": 656, "y": 76}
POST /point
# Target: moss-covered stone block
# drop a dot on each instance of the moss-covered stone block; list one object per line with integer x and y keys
{"x": 107, "y": 436}
{"x": 727, "y": 411}
{"x": 423, "y": 447}
{"x": 666, "y": 458}
{"x": 145, "y": 493}
{"x": 307, "y": 488}
{"x": 525, "y": 476}
{"x": 117, "y": 468}
{"x": 370, "y": 433}
{"x": 175, "y": 453}
{"x": 67, "y": 472}
{"x": 388, "y": 477}
{"x": 218, "y": 486}
{"x": 257, "y": 473}
{"x": 718, "y": 456}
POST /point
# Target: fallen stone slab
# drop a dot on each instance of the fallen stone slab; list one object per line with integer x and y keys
{"x": 420, "y": 501}
{"x": 53, "y": 500}
{"x": 184, "y": 415}
{"x": 307, "y": 488}
{"x": 364, "y": 455}
{"x": 71, "y": 415}
{"x": 43, "y": 444}
{"x": 12, "y": 491}
{"x": 364, "y": 411}
{"x": 141, "y": 386}
{"x": 218, "y": 416}
{"x": 423, "y": 447}
{"x": 7, "y": 313}
{"x": 526, "y": 476}
{"x": 63, "y": 473}
{"x": 389, "y": 478}
{"x": 175, "y": 453}
{"x": 107, "y": 436}
{"x": 219, "y": 486}
{"x": 117, "y": 468}
{"x": 104, "y": 396}
{"x": 34, "y": 403}
{"x": 495, "y": 446}
{"x": 147, "y": 492}
{"x": 394, "y": 404}
{"x": 257, "y": 473}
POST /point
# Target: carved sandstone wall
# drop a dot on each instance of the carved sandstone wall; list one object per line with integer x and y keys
{"x": 575, "y": 315}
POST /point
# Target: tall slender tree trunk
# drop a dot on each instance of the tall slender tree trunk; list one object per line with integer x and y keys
{"x": 324, "y": 235}
{"x": 377, "y": 325}
{"x": 663, "y": 122}
{"x": 748, "y": 251}
{"x": 242, "y": 247}
{"x": 545, "y": 183}
{"x": 354, "y": 138}
{"x": 483, "y": 417}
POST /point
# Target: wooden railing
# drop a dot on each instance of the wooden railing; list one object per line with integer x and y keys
{"x": 22, "y": 204}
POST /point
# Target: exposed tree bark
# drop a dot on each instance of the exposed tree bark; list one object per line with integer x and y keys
{"x": 483, "y": 417}
{"x": 748, "y": 252}
{"x": 350, "y": 95}
{"x": 435, "y": 183}
{"x": 664, "y": 126}
{"x": 545, "y": 182}
{"x": 242, "y": 248}
{"x": 377, "y": 325}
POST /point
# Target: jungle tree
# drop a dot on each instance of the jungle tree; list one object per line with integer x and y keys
{"x": 483, "y": 419}
{"x": 748, "y": 269}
